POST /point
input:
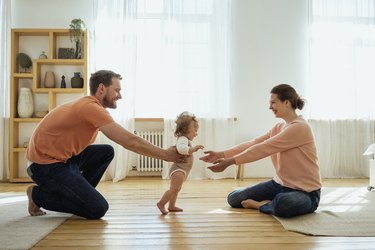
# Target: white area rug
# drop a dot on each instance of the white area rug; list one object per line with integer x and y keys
{"x": 342, "y": 212}
{"x": 19, "y": 230}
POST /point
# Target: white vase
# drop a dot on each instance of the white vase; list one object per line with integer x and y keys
{"x": 25, "y": 105}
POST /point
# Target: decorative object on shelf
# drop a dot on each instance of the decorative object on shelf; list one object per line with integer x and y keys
{"x": 66, "y": 53}
{"x": 25, "y": 106}
{"x": 63, "y": 83}
{"x": 77, "y": 28}
{"x": 77, "y": 80}
{"x": 24, "y": 61}
{"x": 25, "y": 144}
{"x": 49, "y": 79}
{"x": 41, "y": 114}
{"x": 43, "y": 55}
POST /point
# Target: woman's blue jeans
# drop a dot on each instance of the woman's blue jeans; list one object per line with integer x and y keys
{"x": 69, "y": 187}
{"x": 284, "y": 202}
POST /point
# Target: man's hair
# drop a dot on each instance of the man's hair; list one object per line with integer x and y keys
{"x": 102, "y": 76}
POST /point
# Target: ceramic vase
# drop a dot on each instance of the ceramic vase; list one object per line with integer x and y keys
{"x": 49, "y": 80}
{"x": 25, "y": 106}
{"x": 77, "y": 80}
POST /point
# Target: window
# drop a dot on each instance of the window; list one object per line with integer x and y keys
{"x": 342, "y": 57}
{"x": 179, "y": 54}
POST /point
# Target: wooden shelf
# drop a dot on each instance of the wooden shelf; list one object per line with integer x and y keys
{"x": 19, "y": 150}
{"x": 32, "y": 42}
{"x": 32, "y": 119}
{"x": 60, "y": 61}
{"x": 23, "y": 75}
{"x": 58, "y": 90}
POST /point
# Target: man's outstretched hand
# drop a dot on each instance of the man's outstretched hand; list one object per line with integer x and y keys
{"x": 173, "y": 156}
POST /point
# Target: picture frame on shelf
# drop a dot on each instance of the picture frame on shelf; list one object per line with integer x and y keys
{"x": 66, "y": 53}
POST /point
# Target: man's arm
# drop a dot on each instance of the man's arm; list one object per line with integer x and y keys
{"x": 130, "y": 141}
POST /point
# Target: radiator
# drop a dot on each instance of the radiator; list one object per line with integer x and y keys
{"x": 145, "y": 163}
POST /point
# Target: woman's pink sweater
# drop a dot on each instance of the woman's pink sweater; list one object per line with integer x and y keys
{"x": 292, "y": 150}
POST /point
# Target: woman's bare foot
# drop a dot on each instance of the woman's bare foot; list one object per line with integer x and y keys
{"x": 253, "y": 204}
{"x": 175, "y": 209}
{"x": 34, "y": 210}
{"x": 162, "y": 208}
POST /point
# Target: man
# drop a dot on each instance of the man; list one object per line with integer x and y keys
{"x": 65, "y": 166}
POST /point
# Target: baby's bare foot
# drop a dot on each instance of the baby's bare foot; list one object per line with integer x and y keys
{"x": 252, "y": 204}
{"x": 175, "y": 209}
{"x": 162, "y": 208}
{"x": 34, "y": 210}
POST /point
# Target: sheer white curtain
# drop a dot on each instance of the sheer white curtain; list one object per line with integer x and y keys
{"x": 342, "y": 52}
{"x": 197, "y": 45}
{"x": 4, "y": 86}
{"x": 174, "y": 52}
{"x": 341, "y": 84}
{"x": 113, "y": 47}
{"x": 340, "y": 146}
{"x": 175, "y": 56}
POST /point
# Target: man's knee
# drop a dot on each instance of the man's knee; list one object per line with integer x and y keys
{"x": 97, "y": 211}
{"x": 110, "y": 152}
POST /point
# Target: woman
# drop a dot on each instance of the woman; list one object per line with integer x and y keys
{"x": 295, "y": 189}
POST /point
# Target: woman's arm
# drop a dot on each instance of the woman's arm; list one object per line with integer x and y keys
{"x": 213, "y": 156}
{"x": 292, "y": 136}
{"x": 243, "y": 146}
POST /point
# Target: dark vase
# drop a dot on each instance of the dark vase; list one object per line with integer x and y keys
{"x": 77, "y": 80}
{"x": 63, "y": 84}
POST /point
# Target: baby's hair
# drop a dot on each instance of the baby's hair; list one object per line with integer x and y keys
{"x": 182, "y": 123}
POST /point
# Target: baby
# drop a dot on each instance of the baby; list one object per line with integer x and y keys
{"x": 186, "y": 131}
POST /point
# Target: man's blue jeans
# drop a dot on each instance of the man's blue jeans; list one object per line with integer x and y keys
{"x": 69, "y": 187}
{"x": 284, "y": 202}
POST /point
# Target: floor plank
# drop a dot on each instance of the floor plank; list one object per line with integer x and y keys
{"x": 134, "y": 222}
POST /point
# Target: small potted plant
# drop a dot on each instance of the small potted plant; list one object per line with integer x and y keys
{"x": 77, "y": 28}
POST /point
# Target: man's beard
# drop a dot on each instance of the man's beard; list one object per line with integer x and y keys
{"x": 108, "y": 103}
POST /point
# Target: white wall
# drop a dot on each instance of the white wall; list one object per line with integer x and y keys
{"x": 50, "y": 13}
{"x": 269, "y": 47}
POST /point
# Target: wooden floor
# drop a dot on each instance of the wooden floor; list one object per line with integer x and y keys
{"x": 134, "y": 222}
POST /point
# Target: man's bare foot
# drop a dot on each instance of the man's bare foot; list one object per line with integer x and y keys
{"x": 253, "y": 204}
{"x": 162, "y": 208}
{"x": 175, "y": 209}
{"x": 34, "y": 210}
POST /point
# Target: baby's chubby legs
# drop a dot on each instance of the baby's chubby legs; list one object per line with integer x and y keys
{"x": 177, "y": 178}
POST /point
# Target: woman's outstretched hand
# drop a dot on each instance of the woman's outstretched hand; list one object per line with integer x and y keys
{"x": 221, "y": 164}
{"x": 212, "y": 156}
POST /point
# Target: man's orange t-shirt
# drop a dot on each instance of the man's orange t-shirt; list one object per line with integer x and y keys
{"x": 67, "y": 130}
